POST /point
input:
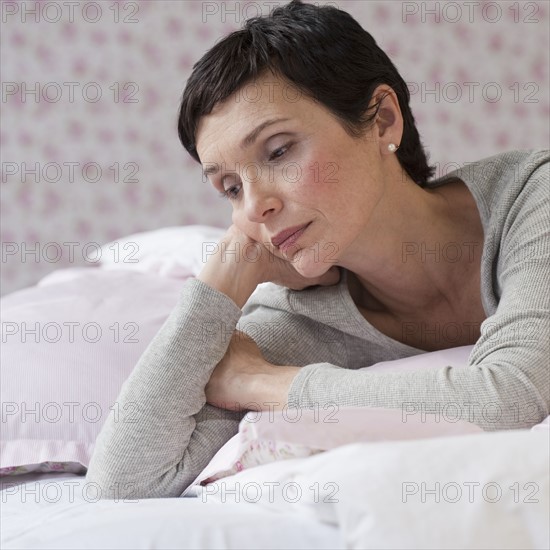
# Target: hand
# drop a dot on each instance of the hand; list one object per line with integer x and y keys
{"x": 282, "y": 272}
{"x": 239, "y": 264}
{"x": 230, "y": 268}
{"x": 245, "y": 380}
{"x": 231, "y": 385}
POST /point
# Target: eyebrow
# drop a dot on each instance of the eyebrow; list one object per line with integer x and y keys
{"x": 247, "y": 141}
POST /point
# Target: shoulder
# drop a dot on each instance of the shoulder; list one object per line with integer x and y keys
{"x": 521, "y": 221}
{"x": 501, "y": 178}
{"x": 504, "y": 183}
{"x": 510, "y": 163}
{"x": 268, "y": 295}
{"x": 491, "y": 175}
{"x": 497, "y": 181}
{"x": 525, "y": 221}
{"x": 318, "y": 308}
{"x": 297, "y": 327}
{"x": 310, "y": 302}
{"x": 511, "y": 191}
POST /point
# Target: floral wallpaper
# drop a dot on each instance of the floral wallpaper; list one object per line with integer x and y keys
{"x": 90, "y": 93}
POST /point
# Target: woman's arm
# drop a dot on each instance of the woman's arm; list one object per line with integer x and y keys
{"x": 506, "y": 384}
{"x": 162, "y": 434}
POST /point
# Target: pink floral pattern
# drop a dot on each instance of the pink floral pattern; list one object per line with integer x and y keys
{"x": 147, "y": 54}
{"x": 44, "y": 467}
{"x": 257, "y": 452}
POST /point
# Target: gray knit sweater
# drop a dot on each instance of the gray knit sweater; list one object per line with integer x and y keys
{"x": 158, "y": 451}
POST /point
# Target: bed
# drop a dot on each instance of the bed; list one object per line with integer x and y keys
{"x": 66, "y": 516}
{"x": 69, "y": 343}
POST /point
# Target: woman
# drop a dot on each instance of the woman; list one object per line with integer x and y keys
{"x": 304, "y": 124}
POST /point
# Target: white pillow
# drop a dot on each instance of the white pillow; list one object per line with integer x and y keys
{"x": 485, "y": 490}
{"x": 178, "y": 252}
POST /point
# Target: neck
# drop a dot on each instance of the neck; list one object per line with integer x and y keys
{"x": 418, "y": 250}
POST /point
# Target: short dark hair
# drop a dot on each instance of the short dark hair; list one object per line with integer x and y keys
{"x": 325, "y": 54}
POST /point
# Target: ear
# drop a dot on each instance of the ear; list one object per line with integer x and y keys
{"x": 388, "y": 121}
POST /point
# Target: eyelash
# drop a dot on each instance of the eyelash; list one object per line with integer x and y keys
{"x": 227, "y": 194}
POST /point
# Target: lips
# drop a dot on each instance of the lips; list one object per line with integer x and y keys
{"x": 278, "y": 239}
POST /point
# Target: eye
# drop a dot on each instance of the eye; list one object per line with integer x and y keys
{"x": 230, "y": 193}
{"x": 278, "y": 153}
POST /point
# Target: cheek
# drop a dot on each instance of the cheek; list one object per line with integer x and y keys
{"x": 319, "y": 178}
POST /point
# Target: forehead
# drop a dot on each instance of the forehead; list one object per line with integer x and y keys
{"x": 267, "y": 97}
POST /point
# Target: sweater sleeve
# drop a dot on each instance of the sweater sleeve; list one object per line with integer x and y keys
{"x": 506, "y": 382}
{"x": 161, "y": 434}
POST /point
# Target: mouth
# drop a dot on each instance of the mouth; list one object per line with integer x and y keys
{"x": 293, "y": 238}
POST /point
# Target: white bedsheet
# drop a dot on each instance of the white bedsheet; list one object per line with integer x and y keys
{"x": 431, "y": 493}
{"x": 42, "y": 511}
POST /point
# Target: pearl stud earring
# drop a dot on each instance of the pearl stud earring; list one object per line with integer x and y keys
{"x": 392, "y": 147}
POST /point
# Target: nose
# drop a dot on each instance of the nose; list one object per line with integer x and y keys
{"x": 261, "y": 200}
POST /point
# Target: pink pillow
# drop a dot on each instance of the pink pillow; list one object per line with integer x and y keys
{"x": 57, "y": 385}
{"x": 279, "y": 435}
{"x": 269, "y": 436}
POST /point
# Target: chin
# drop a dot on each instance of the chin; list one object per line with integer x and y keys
{"x": 309, "y": 265}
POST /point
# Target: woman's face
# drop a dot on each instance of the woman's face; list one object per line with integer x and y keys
{"x": 304, "y": 168}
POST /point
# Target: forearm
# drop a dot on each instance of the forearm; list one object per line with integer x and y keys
{"x": 151, "y": 444}
{"x": 492, "y": 397}
{"x": 237, "y": 287}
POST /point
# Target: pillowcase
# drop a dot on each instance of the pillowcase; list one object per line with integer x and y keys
{"x": 68, "y": 345}
{"x": 270, "y": 436}
{"x": 178, "y": 252}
